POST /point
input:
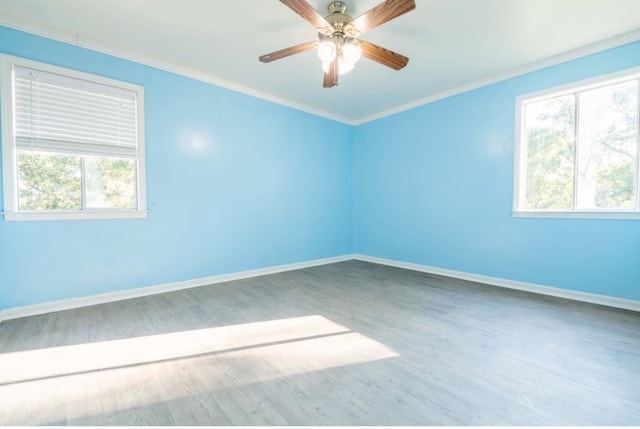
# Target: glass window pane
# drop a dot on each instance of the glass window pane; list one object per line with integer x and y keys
{"x": 608, "y": 149}
{"x": 110, "y": 182}
{"x": 48, "y": 181}
{"x": 550, "y": 142}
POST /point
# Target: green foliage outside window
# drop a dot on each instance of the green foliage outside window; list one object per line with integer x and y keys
{"x": 52, "y": 181}
{"x": 550, "y": 155}
{"x": 49, "y": 181}
{"x": 602, "y": 157}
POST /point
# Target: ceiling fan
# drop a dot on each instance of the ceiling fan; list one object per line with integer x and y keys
{"x": 338, "y": 46}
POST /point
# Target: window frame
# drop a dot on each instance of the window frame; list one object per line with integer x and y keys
{"x": 9, "y": 147}
{"x": 520, "y": 150}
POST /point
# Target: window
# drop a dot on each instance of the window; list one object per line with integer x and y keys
{"x": 577, "y": 150}
{"x": 72, "y": 144}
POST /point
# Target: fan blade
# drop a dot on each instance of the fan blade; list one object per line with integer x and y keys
{"x": 382, "y": 13}
{"x": 331, "y": 76}
{"x": 383, "y": 56}
{"x": 307, "y": 12}
{"x": 267, "y": 58}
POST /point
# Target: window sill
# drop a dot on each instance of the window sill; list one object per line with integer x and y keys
{"x": 75, "y": 215}
{"x": 576, "y": 214}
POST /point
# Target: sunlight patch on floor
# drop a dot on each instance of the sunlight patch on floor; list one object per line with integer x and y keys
{"x": 68, "y": 360}
{"x": 59, "y": 383}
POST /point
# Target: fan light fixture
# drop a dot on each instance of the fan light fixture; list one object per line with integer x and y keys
{"x": 347, "y": 51}
{"x": 327, "y": 51}
{"x": 339, "y": 47}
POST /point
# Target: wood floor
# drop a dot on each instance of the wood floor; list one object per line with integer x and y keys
{"x": 351, "y": 343}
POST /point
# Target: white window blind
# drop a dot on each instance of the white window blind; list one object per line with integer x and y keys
{"x": 73, "y": 144}
{"x": 56, "y": 113}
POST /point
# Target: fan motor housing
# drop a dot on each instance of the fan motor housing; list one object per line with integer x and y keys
{"x": 338, "y": 17}
{"x": 337, "y": 7}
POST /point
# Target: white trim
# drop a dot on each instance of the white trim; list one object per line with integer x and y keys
{"x": 141, "y": 166}
{"x": 10, "y": 184}
{"x": 68, "y": 304}
{"x": 74, "y": 215}
{"x": 519, "y": 155}
{"x": 75, "y": 39}
{"x": 592, "y": 298}
{"x": 575, "y": 214}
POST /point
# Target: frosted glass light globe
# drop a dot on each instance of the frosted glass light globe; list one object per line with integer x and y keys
{"x": 327, "y": 51}
{"x": 343, "y": 66}
{"x": 351, "y": 53}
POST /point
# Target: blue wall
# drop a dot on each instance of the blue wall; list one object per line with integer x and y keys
{"x": 236, "y": 183}
{"x": 433, "y": 186}
{"x": 233, "y": 183}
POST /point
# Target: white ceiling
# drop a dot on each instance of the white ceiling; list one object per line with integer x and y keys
{"x": 452, "y": 44}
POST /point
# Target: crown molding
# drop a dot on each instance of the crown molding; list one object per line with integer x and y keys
{"x": 564, "y": 57}
{"x": 75, "y": 39}
{"x": 82, "y": 42}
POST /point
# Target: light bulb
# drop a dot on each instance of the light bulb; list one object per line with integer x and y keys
{"x": 351, "y": 53}
{"x": 327, "y": 51}
{"x": 343, "y": 66}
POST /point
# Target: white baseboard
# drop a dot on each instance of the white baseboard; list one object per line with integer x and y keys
{"x": 68, "y": 304}
{"x": 592, "y": 298}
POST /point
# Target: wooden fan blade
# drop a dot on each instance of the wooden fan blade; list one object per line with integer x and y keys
{"x": 383, "y": 56}
{"x": 331, "y": 76}
{"x": 267, "y": 58}
{"x": 385, "y": 11}
{"x": 307, "y": 12}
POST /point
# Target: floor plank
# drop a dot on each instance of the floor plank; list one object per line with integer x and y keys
{"x": 351, "y": 343}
